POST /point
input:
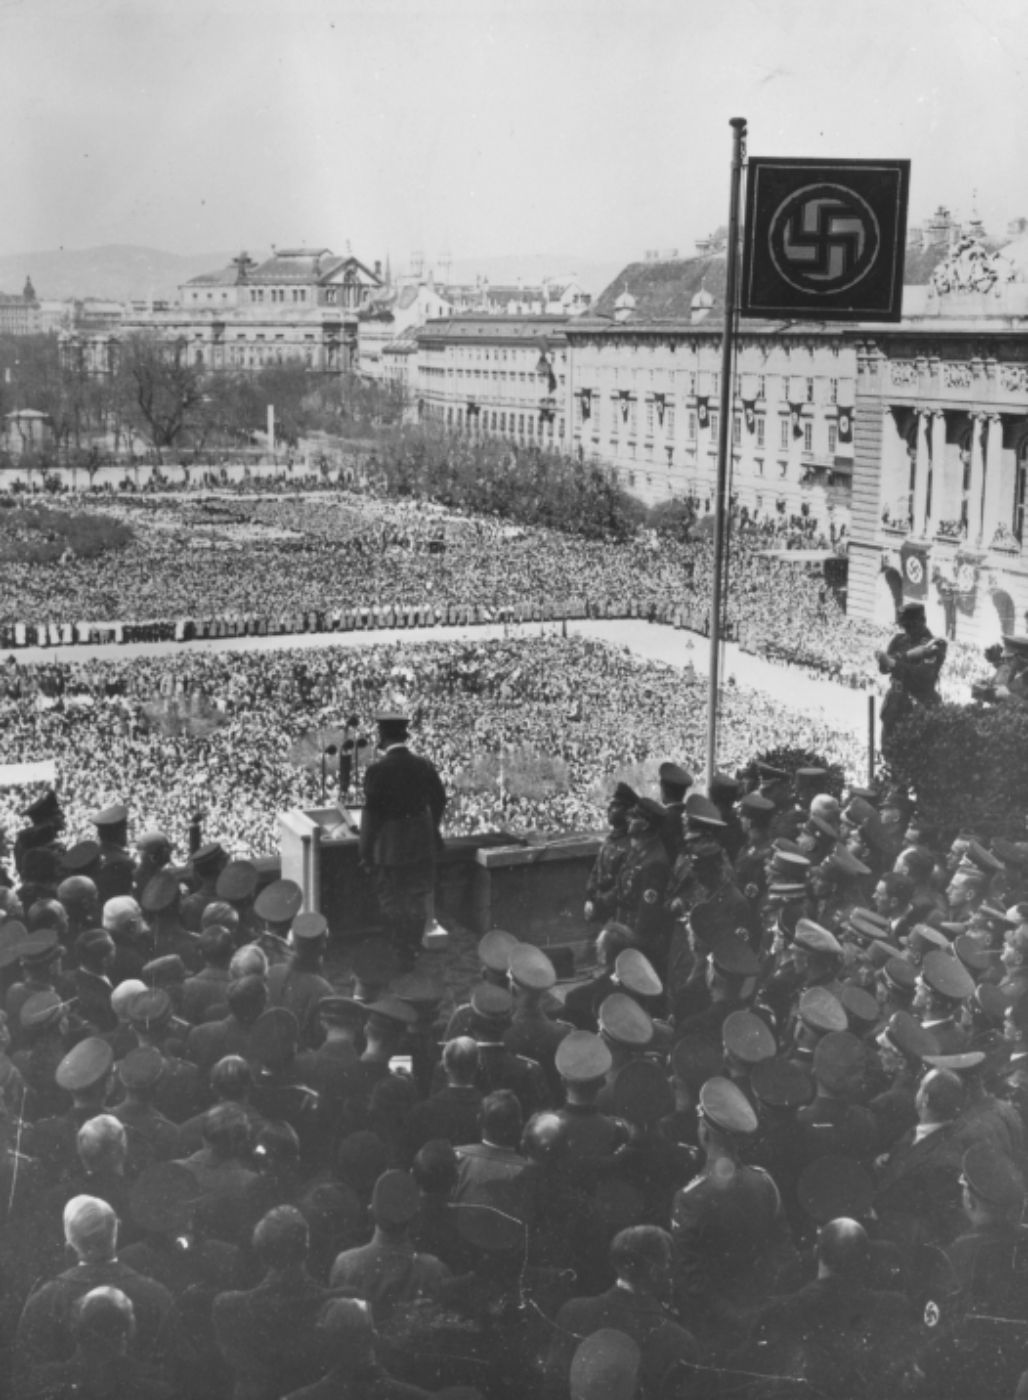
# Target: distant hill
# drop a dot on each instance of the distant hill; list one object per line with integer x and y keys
{"x": 122, "y": 272}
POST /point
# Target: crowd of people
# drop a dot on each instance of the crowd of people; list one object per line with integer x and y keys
{"x": 768, "y": 1141}
{"x": 217, "y": 732}
{"x": 311, "y": 559}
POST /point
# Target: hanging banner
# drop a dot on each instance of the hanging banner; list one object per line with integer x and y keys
{"x": 914, "y": 561}
{"x": 702, "y": 411}
{"x": 825, "y": 239}
{"x": 845, "y": 425}
{"x": 749, "y": 412}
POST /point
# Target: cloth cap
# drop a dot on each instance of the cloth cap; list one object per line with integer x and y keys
{"x": 40, "y": 947}
{"x": 724, "y": 1105}
{"x": 141, "y": 1068}
{"x": 833, "y": 1188}
{"x": 153, "y": 841}
{"x": 150, "y": 1008}
{"x": 641, "y": 1092}
{"x": 748, "y": 1038}
{"x": 309, "y": 926}
{"x": 237, "y": 881}
{"x": 392, "y": 1011}
{"x": 905, "y": 1033}
{"x": 838, "y": 1060}
{"x": 675, "y": 776}
{"x": 495, "y": 948}
{"x": 622, "y": 1020}
{"x": 83, "y": 855}
{"x": 166, "y": 971}
{"x": 582, "y": 1056}
{"x": 279, "y": 902}
{"x": 41, "y": 1009}
{"x": 860, "y": 1006}
{"x": 161, "y": 892}
{"x": 822, "y": 1011}
{"x": 899, "y": 973}
{"x": 771, "y": 774}
{"x": 163, "y": 1197}
{"x": 992, "y": 1177}
{"x": 85, "y": 1065}
{"x": 948, "y": 976}
{"x": 110, "y": 817}
{"x": 701, "y": 811}
{"x": 624, "y": 796}
{"x": 755, "y": 804}
{"x": 732, "y": 956}
{"x": 782, "y": 1083}
{"x": 815, "y": 939}
{"x": 605, "y": 1366}
{"x": 490, "y": 1002}
{"x": 654, "y": 812}
{"x": 634, "y": 971}
{"x": 531, "y": 968}
{"x": 395, "y": 1200}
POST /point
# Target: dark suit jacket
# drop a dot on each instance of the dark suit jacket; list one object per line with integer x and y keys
{"x": 918, "y": 1199}
{"x": 404, "y": 801}
{"x": 662, "y": 1341}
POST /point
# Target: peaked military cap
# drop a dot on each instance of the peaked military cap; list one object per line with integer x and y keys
{"x": 208, "y": 858}
{"x": 674, "y": 775}
{"x": 41, "y": 1009}
{"x": 491, "y": 1003}
{"x": 82, "y": 856}
{"x": 605, "y": 1366}
{"x": 279, "y": 902}
{"x": 782, "y": 1083}
{"x": 860, "y": 1006}
{"x": 237, "y": 881}
{"x": 622, "y": 1020}
{"x": 832, "y": 1187}
{"x": 582, "y": 1056}
{"x": 624, "y": 795}
{"x": 152, "y": 841}
{"x": 44, "y": 808}
{"x": 755, "y": 804}
{"x": 748, "y": 1038}
{"x": 163, "y": 1197}
{"x": 392, "y": 1010}
{"x": 337, "y": 1009}
{"x": 166, "y": 971}
{"x": 724, "y": 786}
{"x": 85, "y": 1065}
{"x": 992, "y": 1177}
{"x": 724, "y": 1105}
{"x": 654, "y": 812}
{"x": 309, "y": 926}
{"x": 771, "y": 774}
{"x": 531, "y": 968}
{"x": 141, "y": 1068}
{"x": 732, "y": 956}
{"x": 971, "y": 953}
{"x": 865, "y": 923}
{"x": 418, "y": 990}
{"x": 702, "y": 812}
{"x": 634, "y": 971}
{"x": 963, "y": 1063}
{"x": 948, "y": 976}
{"x": 110, "y": 817}
{"x": 811, "y": 775}
{"x": 790, "y": 865}
{"x": 983, "y": 859}
{"x": 814, "y": 938}
{"x": 821, "y": 1011}
{"x": 923, "y": 937}
{"x": 991, "y": 1002}
{"x": 392, "y": 716}
{"x": 161, "y": 892}
{"x": 495, "y": 948}
{"x": 858, "y": 810}
{"x": 905, "y": 1033}
{"x": 150, "y": 1008}
{"x": 997, "y": 916}
{"x": 1010, "y": 852}
{"x": 899, "y": 973}
{"x": 395, "y": 1199}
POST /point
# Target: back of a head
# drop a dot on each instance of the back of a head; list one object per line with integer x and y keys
{"x": 280, "y": 1239}
{"x": 104, "y": 1321}
{"x": 226, "y": 1129}
{"x": 91, "y": 1228}
{"x": 347, "y": 1325}
{"x": 248, "y": 961}
{"x": 899, "y": 887}
{"x": 231, "y": 1078}
{"x": 102, "y": 1143}
{"x": 500, "y": 1118}
{"x": 843, "y": 1249}
{"x": 641, "y": 1254}
{"x": 221, "y": 914}
{"x": 247, "y": 998}
{"x": 460, "y": 1060}
{"x": 46, "y": 914}
{"x": 277, "y": 1145}
{"x": 122, "y": 914}
{"x": 919, "y": 864}
{"x": 434, "y": 1168}
{"x": 216, "y": 946}
{"x": 545, "y": 1139}
{"x": 940, "y": 1097}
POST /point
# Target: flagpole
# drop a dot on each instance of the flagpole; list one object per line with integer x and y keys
{"x": 724, "y": 443}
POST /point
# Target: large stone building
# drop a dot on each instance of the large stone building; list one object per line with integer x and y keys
{"x": 941, "y": 463}
{"x": 388, "y": 315}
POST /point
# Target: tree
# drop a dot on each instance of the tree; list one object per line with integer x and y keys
{"x": 160, "y": 392}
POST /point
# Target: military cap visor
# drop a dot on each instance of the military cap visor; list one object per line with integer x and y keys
{"x": 531, "y": 968}
{"x": 279, "y": 902}
{"x": 623, "y": 1021}
{"x": 748, "y": 1038}
{"x": 495, "y": 948}
{"x": 237, "y": 881}
{"x": 85, "y": 1066}
{"x": 110, "y": 816}
{"x": 581, "y": 1057}
{"x": 725, "y": 1106}
{"x": 634, "y": 971}
{"x": 83, "y": 855}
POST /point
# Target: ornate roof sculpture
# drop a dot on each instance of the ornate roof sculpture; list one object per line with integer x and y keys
{"x": 971, "y": 267}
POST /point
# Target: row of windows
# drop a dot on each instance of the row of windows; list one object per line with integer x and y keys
{"x": 478, "y": 353}
{"x": 806, "y": 391}
{"x": 624, "y": 415}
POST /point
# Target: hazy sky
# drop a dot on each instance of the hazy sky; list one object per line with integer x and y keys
{"x": 482, "y": 126}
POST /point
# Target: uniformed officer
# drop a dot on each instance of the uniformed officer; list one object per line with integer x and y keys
{"x": 755, "y": 814}
{"x": 204, "y": 867}
{"x": 498, "y": 1067}
{"x": 46, "y": 824}
{"x": 834, "y": 1124}
{"x": 299, "y": 983}
{"x": 748, "y": 1041}
{"x": 151, "y": 1136}
{"x": 117, "y": 867}
{"x": 532, "y": 1032}
{"x": 154, "y": 849}
{"x": 180, "y": 1091}
{"x": 943, "y": 987}
{"x": 674, "y": 781}
{"x": 237, "y": 885}
{"x": 161, "y": 900}
{"x": 86, "y": 1073}
{"x": 591, "y": 1138}
{"x": 643, "y": 878}
{"x": 912, "y": 661}
{"x": 601, "y": 886}
{"x": 276, "y": 907}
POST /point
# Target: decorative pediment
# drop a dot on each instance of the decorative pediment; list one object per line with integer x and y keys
{"x": 971, "y": 267}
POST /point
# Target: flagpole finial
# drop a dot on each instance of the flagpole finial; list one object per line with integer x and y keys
{"x": 738, "y": 122}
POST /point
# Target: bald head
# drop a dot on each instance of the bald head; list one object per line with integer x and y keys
{"x": 843, "y": 1249}
{"x": 104, "y": 1320}
{"x": 79, "y": 896}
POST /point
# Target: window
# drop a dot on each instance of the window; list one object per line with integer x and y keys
{"x": 1020, "y": 488}
{"x": 669, "y": 419}
{"x": 810, "y": 391}
{"x": 713, "y": 425}
{"x": 833, "y": 391}
{"x": 808, "y": 437}
{"x": 783, "y": 434}
{"x": 736, "y": 431}
{"x": 761, "y": 387}
{"x": 649, "y": 418}
{"x": 692, "y": 427}
{"x": 833, "y": 438}
{"x": 783, "y": 470}
{"x": 715, "y": 384}
{"x": 760, "y": 432}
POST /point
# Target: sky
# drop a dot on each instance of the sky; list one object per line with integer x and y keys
{"x": 483, "y": 127}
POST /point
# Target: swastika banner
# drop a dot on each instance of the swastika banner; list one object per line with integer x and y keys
{"x": 915, "y": 572}
{"x": 824, "y": 240}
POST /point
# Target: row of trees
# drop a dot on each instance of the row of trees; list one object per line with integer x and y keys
{"x": 155, "y": 397}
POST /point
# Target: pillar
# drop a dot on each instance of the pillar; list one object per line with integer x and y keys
{"x": 998, "y": 503}
{"x": 921, "y": 475}
{"x": 976, "y": 494}
{"x": 935, "y": 426}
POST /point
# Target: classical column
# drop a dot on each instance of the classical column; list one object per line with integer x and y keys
{"x": 998, "y": 503}
{"x": 921, "y": 474}
{"x": 977, "y": 489}
{"x": 935, "y": 428}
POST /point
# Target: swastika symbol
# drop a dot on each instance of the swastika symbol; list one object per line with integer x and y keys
{"x": 824, "y": 238}
{"x": 915, "y": 569}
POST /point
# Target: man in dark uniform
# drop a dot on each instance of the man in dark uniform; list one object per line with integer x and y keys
{"x": 674, "y": 783}
{"x": 117, "y": 868}
{"x": 912, "y": 660}
{"x": 298, "y": 984}
{"x": 47, "y": 823}
{"x": 161, "y": 900}
{"x": 601, "y": 886}
{"x": 404, "y": 802}
{"x": 643, "y": 879}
